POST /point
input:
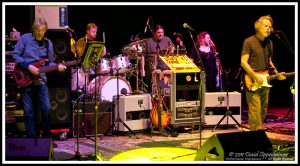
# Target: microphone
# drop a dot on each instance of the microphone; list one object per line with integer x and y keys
{"x": 177, "y": 34}
{"x": 68, "y": 29}
{"x": 147, "y": 24}
{"x": 185, "y": 25}
{"x": 276, "y": 31}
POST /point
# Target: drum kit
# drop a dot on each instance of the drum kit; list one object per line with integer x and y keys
{"x": 108, "y": 72}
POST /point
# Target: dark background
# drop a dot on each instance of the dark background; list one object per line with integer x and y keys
{"x": 228, "y": 25}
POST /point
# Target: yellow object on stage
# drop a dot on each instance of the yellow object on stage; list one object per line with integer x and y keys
{"x": 156, "y": 154}
{"x": 179, "y": 63}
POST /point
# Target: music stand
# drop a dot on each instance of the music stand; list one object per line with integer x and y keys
{"x": 92, "y": 56}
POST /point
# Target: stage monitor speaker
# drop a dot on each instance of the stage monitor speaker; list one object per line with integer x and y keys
{"x": 134, "y": 111}
{"x": 61, "y": 44}
{"x": 18, "y": 149}
{"x": 237, "y": 146}
{"x": 60, "y": 107}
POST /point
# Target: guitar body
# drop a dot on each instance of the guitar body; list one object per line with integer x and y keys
{"x": 165, "y": 115}
{"x": 252, "y": 86}
{"x": 23, "y": 77}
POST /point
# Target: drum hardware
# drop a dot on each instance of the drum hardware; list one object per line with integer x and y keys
{"x": 118, "y": 119}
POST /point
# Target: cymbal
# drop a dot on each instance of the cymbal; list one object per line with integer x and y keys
{"x": 138, "y": 42}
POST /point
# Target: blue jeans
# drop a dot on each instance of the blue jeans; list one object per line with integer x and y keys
{"x": 34, "y": 97}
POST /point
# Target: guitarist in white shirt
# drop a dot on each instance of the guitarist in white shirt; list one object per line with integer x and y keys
{"x": 256, "y": 56}
{"x": 31, "y": 48}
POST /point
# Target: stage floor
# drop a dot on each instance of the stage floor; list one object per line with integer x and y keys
{"x": 142, "y": 146}
{"x": 281, "y": 133}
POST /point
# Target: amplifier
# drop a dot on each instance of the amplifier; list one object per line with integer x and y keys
{"x": 134, "y": 111}
{"x": 87, "y": 118}
{"x": 216, "y": 107}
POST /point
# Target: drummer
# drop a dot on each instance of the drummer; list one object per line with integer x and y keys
{"x": 91, "y": 34}
{"x": 158, "y": 44}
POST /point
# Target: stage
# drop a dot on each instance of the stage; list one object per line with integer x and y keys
{"x": 142, "y": 146}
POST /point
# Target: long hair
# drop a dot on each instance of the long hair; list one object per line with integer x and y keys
{"x": 200, "y": 38}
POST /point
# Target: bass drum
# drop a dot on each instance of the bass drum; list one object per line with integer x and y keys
{"x": 107, "y": 87}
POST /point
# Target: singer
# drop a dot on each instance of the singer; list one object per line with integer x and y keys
{"x": 158, "y": 44}
{"x": 208, "y": 54}
{"x": 257, "y": 54}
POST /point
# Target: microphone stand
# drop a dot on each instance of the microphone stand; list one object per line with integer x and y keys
{"x": 228, "y": 112}
{"x": 77, "y": 153}
{"x": 202, "y": 88}
{"x": 285, "y": 42}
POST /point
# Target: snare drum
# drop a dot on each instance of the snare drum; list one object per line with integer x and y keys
{"x": 121, "y": 64}
{"x": 104, "y": 66}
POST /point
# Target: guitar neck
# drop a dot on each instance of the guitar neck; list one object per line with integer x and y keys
{"x": 271, "y": 77}
{"x": 45, "y": 69}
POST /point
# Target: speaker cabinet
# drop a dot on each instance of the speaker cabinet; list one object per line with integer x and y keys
{"x": 60, "y": 107}
{"x": 61, "y": 44}
{"x": 237, "y": 146}
{"x": 18, "y": 149}
{"x": 133, "y": 111}
{"x": 87, "y": 118}
{"x": 216, "y": 107}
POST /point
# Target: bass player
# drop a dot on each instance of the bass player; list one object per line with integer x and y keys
{"x": 31, "y": 48}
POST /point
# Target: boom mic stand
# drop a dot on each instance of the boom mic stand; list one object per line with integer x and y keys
{"x": 202, "y": 88}
{"x": 228, "y": 112}
{"x": 77, "y": 153}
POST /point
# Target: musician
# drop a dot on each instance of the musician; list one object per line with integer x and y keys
{"x": 31, "y": 48}
{"x": 79, "y": 50}
{"x": 158, "y": 44}
{"x": 206, "y": 49}
{"x": 256, "y": 56}
{"x": 91, "y": 35}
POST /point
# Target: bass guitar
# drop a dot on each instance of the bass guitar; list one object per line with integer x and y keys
{"x": 252, "y": 86}
{"x": 24, "y": 78}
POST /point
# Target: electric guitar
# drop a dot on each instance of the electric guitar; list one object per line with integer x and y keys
{"x": 160, "y": 116}
{"x": 251, "y": 85}
{"x": 24, "y": 78}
